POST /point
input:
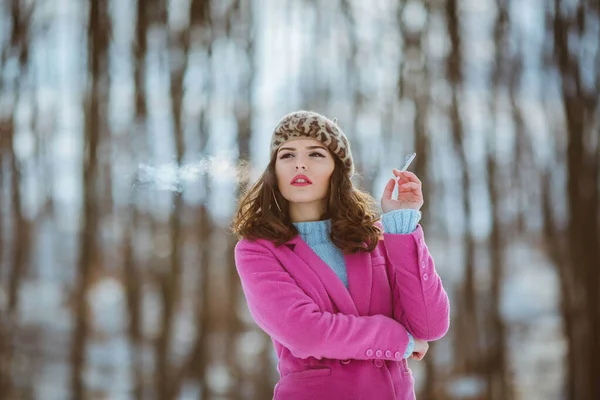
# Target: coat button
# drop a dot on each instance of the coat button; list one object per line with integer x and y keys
{"x": 397, "y": 355}
{"x": 378, "y": 363}
{"x": 388, "y": 354}
{"x": 425, "y": 277}
{"x": 345, "y": 362}
{"x": 369, "y": 353}
{"x": 424, "y": 263}
{"x": 379, "y": 353}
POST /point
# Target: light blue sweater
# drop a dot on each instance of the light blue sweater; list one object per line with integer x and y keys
{"x": 316, "y": 235}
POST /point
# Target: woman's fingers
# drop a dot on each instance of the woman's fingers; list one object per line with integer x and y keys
{"x": 406, "y": 176}
{"x": 389, "y": 189}
{"x": 409, "y": 187}
{"x": 411, "y": 176}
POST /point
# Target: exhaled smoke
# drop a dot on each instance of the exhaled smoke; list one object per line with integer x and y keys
{"x": 174, "y": 177}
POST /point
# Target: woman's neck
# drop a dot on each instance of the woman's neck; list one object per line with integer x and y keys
{"x": 306, "y": 212}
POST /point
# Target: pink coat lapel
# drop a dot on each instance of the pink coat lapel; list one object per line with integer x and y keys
{"x": 360, "y": 278}
{"x": 352, "y": 301}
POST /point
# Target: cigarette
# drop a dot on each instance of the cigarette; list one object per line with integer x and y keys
{"x": 407, "y": 160}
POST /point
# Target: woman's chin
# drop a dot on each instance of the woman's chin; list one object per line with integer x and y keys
{"x": 307, "y": 198}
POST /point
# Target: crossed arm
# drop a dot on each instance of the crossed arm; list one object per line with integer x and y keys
{"x": 287, "y": 314}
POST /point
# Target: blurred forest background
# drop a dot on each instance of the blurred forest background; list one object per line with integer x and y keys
{"x": 128, "y": 130}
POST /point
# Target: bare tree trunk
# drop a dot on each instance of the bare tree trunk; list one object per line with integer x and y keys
{"x": 204, "y": 308}
{"x": 3, "y": 172}
{"x": 132, "y": 276}
{"x": 195, "y": 362}
{"x": 352, "y": 66}
{"x": 414, "y": 84}
{"x": 198, "y": 360}
{"x": 17, "y": 50}
{"x": 21, "y": 232}
{"x": 496, "y": 367}
{"x": 467, "y": 332}
{"x": 523, "y": 167}
{"x": 89, "y": 254}
{"x": 133, "y": 282}
{"x": 5, "y": 358}
{"x": 203, "y": 313}
{"x": 21, "y": 248}
{"x": 167, "y": 277}
{"x": 171, "y": 281}
{"x": 241, "y": 14}
{"x": 139, "y": 51}
{"x": 575, "y": 248}
{"x": 6, "y": 318}
{"x": 497, "y": 374}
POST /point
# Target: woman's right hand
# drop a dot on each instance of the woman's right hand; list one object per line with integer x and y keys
{"x": 420, "y": 349}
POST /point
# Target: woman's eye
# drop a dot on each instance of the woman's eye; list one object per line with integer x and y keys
{"x": 288, "y": 155}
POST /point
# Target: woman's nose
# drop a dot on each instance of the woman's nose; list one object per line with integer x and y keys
{"x": 300, "y": 163}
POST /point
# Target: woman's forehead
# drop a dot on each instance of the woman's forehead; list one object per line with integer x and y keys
{"x": 301, "y": 143}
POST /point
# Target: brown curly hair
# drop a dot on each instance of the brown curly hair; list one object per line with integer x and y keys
{"x": 353, "y": 213}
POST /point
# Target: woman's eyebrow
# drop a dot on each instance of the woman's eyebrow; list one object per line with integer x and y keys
{"x": 308, "y": 148}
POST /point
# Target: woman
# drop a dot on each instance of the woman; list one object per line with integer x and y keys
{"x": 346, "y": 299}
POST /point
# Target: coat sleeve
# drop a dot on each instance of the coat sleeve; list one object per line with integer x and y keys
{"x": 420, "y": 302}
{"x": 287, "y": 314}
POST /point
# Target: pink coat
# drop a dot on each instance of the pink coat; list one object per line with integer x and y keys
{"x": 338, "y": 343}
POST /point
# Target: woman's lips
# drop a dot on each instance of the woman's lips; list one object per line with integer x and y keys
{"x": 301, "y": 184}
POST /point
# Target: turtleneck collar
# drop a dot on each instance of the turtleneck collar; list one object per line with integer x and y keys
{"x": 314, "y": 232}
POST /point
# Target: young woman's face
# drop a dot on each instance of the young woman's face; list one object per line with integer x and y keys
{"x": 310, "y": 158}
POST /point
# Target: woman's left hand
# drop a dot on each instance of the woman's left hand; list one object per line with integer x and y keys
{"x": 420, "y": 350}
{"x": 410, "y": 194}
